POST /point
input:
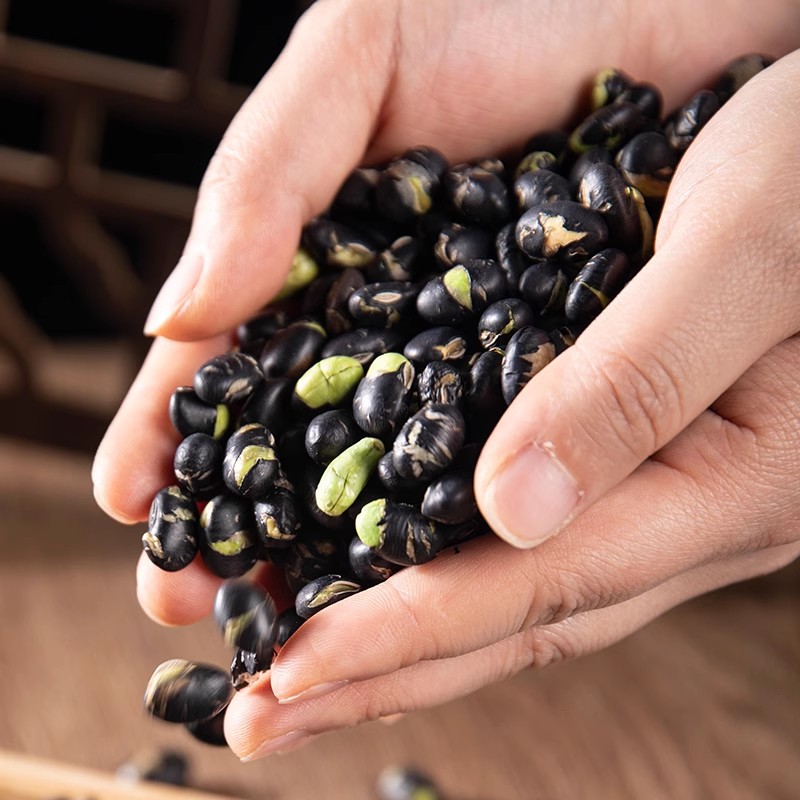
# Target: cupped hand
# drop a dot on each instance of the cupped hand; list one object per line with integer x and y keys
{"x": 655, "y": 460}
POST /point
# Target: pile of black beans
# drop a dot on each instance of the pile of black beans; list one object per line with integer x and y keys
{"x": 338, "y": 440}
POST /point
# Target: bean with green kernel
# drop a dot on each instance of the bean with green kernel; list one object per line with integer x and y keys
{"x": 171, "y": 540}
{"x": 597, "y": 284}
{"x": 291, "y": 351}
{"x": 323, "y": 592}
{"x": 189, "y": 414}
{"x": 247, "y": 617}
{"x": 277, "y": 519}
{"x": 229, "y": 543}
{"x": 347, "y": 475}
{"x": 251, "y": 464}
{"x": 328, "y": 382}
{"x": 182, "y": 691}
{"x": 227, "y": 378}
{"x": 383, "y": 398}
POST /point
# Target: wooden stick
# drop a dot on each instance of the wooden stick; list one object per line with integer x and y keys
{"x": 32, "y": 778}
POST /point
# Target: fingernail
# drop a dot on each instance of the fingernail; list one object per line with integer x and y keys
{"x": 174, "y": 293}
{"x": 281, "y": 744}
{"x": 532, "y": 497}
{"x": 313, "y": 691}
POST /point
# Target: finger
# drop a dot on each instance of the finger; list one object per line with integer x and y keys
{"x": 256, "y": 724}
{"x": 676, "y": 511}
{"x": 289, "y": 147}
{"x": 134, "y": 459}
{"x": 721, "y": 290}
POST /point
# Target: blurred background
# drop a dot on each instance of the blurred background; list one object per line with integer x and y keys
{"x": 109, "y": 113}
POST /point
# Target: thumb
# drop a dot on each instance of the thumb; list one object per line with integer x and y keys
{"x": 721, "y": 290}
{"x": 290, "y": 146}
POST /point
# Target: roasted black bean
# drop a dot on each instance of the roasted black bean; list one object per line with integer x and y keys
{"x": 690, "y": 119}
{"x": 251, "y": 464}
{"x": 565, "y": 230}
{"x": 512, "y": 260}
{"x": 181, "y": 691}
{"x": 356, "y": 198}
{"x": 648, "y": 163}
{"x": 312, "y": 301}
{"x": 405, "y": 783}
{"x": 477, "y": 195}
{"x": 603, "y": 189}
{"x": 405, "y": 190}
{"x": 289, "y": 621}
{"x": 551, "y": 141}
{"x": 247, "y": 617}
{"x": 450, "y": 498}
{"x": 367, "y": 565}
{"x": 227, "y": 379}
{"x": 269, "y": 405}
{"x": 428, "y": 442}
{"x": 339, "y": 245}
{"x": 252, "y": 334}
{"x": 484, "y": 397}
{"x": 246, "y": 667}
{"x": 430, "y": 158}
{"x": 209, "y": 731}
{"x": 391, "y": 478}
{"x": 462, "y": 292}
{"x": 644, "y": 95}
{"x": 529, "y": 351}
{"x": 564, "y": 337}
{"x": 383, "y": 305}
{"x": 502, "y": 319}
{"x": 398, "y": 262}
{"x": 597, "y": 155}
{"x": 291, "y": 351}
{"x": 228, "y": 543}
{"x": 436, "y": 344}
{"x": 536, "y": 161}
{"x": 323, "y": 592}
{"x": 382, "y": 400}
{"x": 536, "y": 188}
{"x": 459, "y": 244}
{"x": 198, "y": 465}
{"x": 440, "y": 382}
{"x": 189, "y": 414}
{"x": 277, "y": 519}
{"x": 609, "y": 84}
{"x": 337, "y": 317}
{"x": 329, "y": 433}
{"x": 399, "y": 533}
{"x": 609, "y": 127}
{"x": 544, "y": 286}
{"x": 738, "y": 72}
{"x": 364, "y": 344}
{"x": 603, "y": 277}
{"x": 171, "y": 540}
{"x": 309, "y": 558}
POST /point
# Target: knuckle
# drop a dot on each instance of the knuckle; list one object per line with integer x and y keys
{"x": 549, "y": 646}
{"x": 642, "y": 398}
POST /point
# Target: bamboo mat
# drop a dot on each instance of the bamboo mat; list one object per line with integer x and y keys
{"x": 702, "y": 704}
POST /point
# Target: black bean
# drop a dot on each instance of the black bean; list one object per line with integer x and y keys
{"x": 323, "y": 592}
{"x": 367, "y": 565}
{"x": 364, "y": 344}
{"x": 738, "y": 72}
{"x": 644, "y": 95}
{"x": 609, "y": 84}
{"x": 458, "y": 244}
{"x": 430, "y": 158}
{"x": 405, "y": 190}
{"x": 648, "y": 163}
{"x": 603, "y": 277}
{"x": 502, "y": 319}
{"x": 690, "y": 119}
{"x": 171, "y": 540}
{"x": 289, "y": 621}
{"x": 181, "y": 691}
{"x": 329, "y": 434}
{"x": 227, "y": 379}
{"x": 209, "y": 731}
{"x": 440, "y": 382}
{"x": 436, "y": 344}
{"x": 337, "y": 317}
{"x": 512, "y": 260}
{"x": 339, "y": 245}
{"x": 429, "y": 441}
{"x": 356, "y": 198}
{"x": 189, "y": 414}
{"x": 450, "y": 498}
{"x": 251, "y": 464}
{"x": 544, "y": 286}
{"x": 382, "y": 400}
{"x": 269, "y": 405}
{"x": 552, "y": 141}
{"x": 398, "y": 262}
{"x": 529, "y": 351}
{"x": 309, "y": 558}
{"x": 228, "y": 543}
{"x": 477, "y": 195}
{"x": 246, "y": 667}
{"x": 247, "y": 617}
{"x": 291, "y": 351}
{"x": 544, "y": 186}
{"x": 277, "y": 519}
{"x": 198, "y": 465}
{"x": 609, "y": 127}
{"x": 383, "y": 305}
{"x": 391, "y": 478}
{"x": 597, "y": 155}
{"x": 484, "y": 397}
{"x": 565, "y": 230}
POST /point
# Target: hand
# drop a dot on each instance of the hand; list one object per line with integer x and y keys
{"x": 662, "y": 448}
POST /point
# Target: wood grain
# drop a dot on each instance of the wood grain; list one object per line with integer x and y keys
{"x": 702, "y": 704}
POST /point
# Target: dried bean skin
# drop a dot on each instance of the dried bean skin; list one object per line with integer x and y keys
{"x": 277, "y": 519}
{"x": 382, "y": 305}
{"x": 181, "y": 691}
{"x": 291, "y": 351}
{"x": 544, "y": 286}
{"x": 364, "y": 344}
{"x": 227, "y": 378}
{"x": 229, "y": 541}
{"x": 440, "y": 382}
{"x": 436, "y": 344}
{"x": 529, "y": 351}
{"x": 269, "y": 405}
{"x": 597, "y": 284}
{"x": 209, "y": 731}
{"x": 171, "y": 540}
{"x": 458, "y": 244}
{"x": 289, "y": 621}
{"x": 428, "y": 442}
{"x": 247, "y": 617}
{"x": 603, "y": 189}
{"x": 382, "y": 400}
{"x": 478, "y": 195}
{"x": 198, "y": 465}
{"x": 648, "y": 163}
{"x": 251, "y": 464}
{"x": 501, "y": 320}
{"x": 347, "y": 475}
{"x": 330, "y": 433}
{"x": 535, "y": 188}
{"x": 399, "y": 533}
{"x": 565, "y": 230}
{"x": 367, "y": 565}
{"x": 450, "y": 498}
{"x": 189, "y": 414}
{"x": 328, "y": 382}
{"x": 323, "y": 592}
{"x": 339, "y": 245}
{"x": 463, "y": 292}
{"x": 247, "y": 666}
{"x": 337, "y": 317}
{"x": 690, "y": 119}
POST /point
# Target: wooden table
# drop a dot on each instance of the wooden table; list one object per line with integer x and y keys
{"x": 702, "y": 704}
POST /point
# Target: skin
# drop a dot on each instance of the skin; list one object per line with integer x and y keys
{"x": 672, "y": 426}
